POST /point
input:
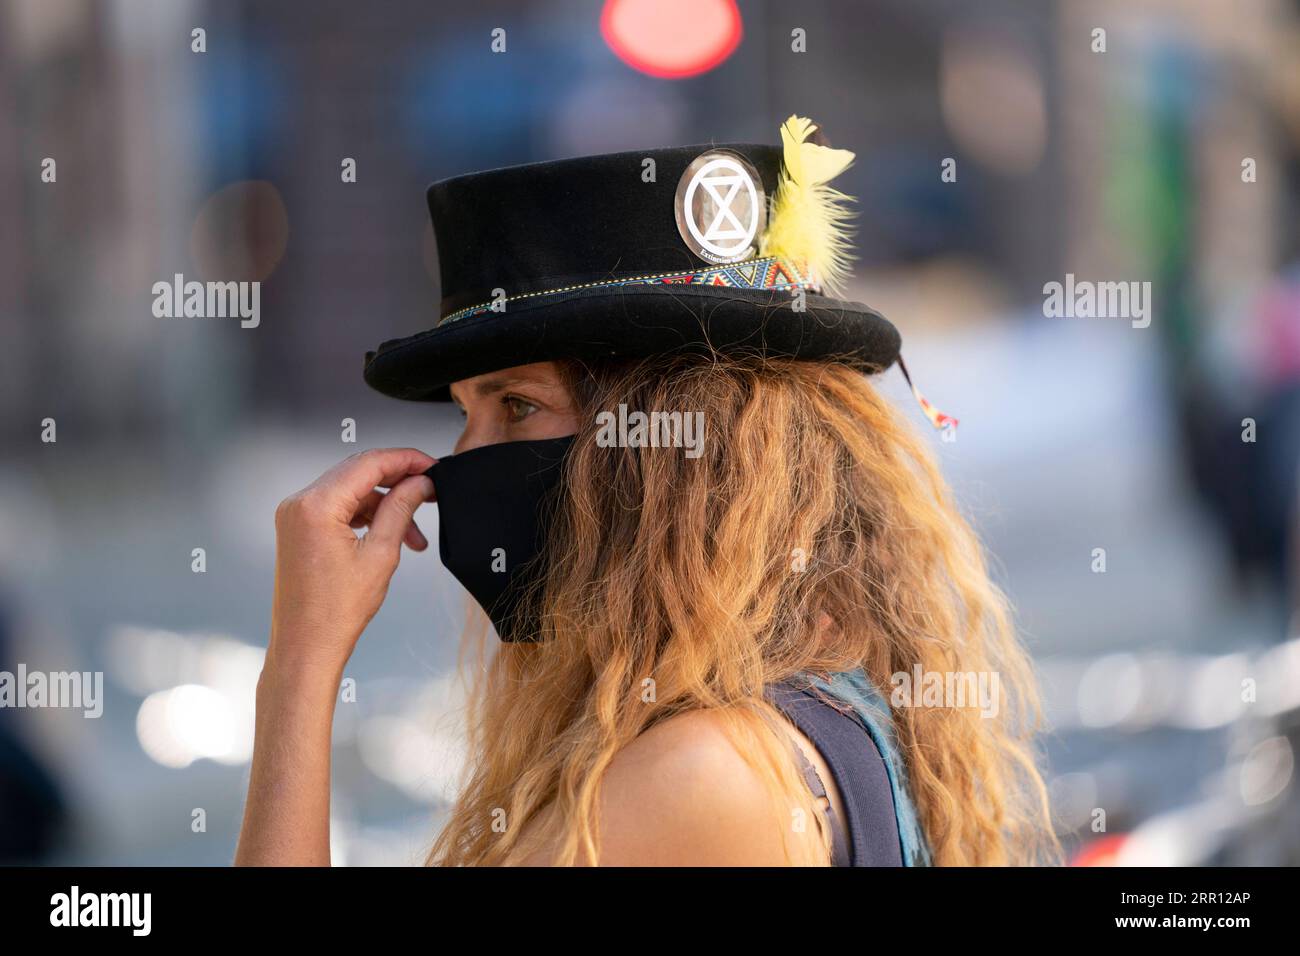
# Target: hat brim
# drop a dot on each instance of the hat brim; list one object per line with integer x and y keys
{"x": 631, "y": 322}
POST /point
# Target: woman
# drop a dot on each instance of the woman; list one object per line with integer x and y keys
{"x": 706, "y": 645}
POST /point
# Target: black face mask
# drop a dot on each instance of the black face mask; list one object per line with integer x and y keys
{"x": 495, "y": 505}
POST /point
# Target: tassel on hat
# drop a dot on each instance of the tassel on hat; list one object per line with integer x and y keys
{"x": 937, "y": 418}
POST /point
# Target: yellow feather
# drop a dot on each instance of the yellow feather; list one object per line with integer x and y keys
{"x": 808, "y": 220}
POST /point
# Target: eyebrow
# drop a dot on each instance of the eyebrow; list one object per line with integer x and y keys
{"x": 499, "y": 383}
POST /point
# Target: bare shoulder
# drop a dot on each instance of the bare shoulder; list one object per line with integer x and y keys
{"x": 682, "y": 794}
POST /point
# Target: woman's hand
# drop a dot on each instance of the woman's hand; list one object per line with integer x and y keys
{"x": 328, "y": 585}
{"x": 329, "y": 582}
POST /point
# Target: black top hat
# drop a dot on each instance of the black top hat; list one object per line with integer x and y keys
{"x": 635, "y": 254}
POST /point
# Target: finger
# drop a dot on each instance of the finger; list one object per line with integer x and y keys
{"x": 396, "y": 513}
{"x": 349, "y": 483}
{"x": 415, "y": 539}
{"x": 366, "y": 510}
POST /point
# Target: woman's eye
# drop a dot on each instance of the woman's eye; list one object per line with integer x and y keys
{"x": 518, "y": 408}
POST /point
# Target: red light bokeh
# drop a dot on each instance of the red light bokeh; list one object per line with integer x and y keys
{"x": 672, "y": 39}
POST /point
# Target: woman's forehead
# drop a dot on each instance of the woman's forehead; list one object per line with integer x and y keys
{"x": 542, "y": 374}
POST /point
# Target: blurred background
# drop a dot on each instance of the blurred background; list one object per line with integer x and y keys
{"x": 1165, "y": 148}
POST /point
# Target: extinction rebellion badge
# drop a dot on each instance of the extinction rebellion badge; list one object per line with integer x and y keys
{"x": 721, "y": 207}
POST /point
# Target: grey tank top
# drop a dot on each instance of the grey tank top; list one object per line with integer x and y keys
{"x": 870, "y": 835}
